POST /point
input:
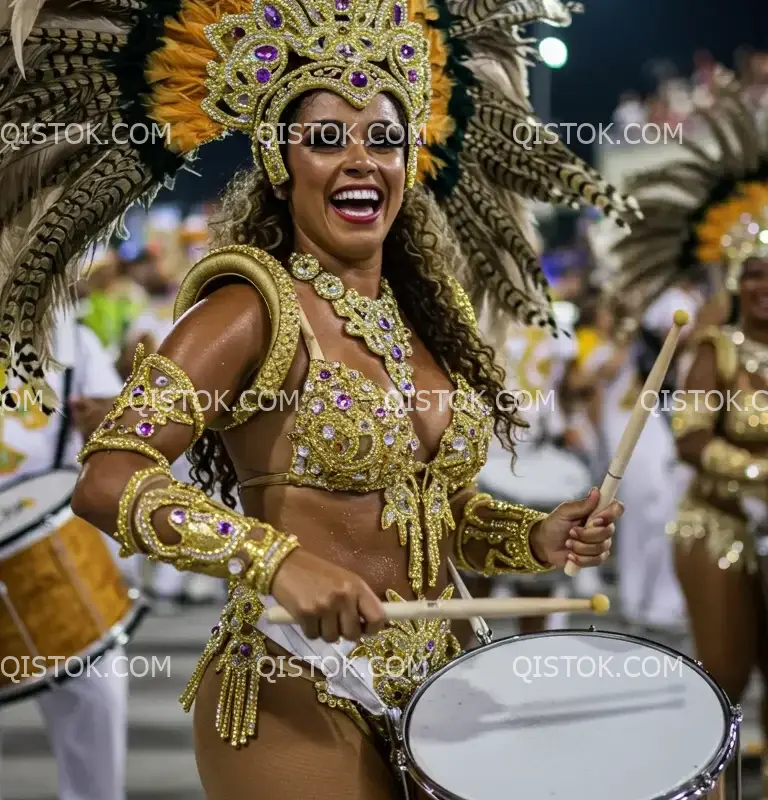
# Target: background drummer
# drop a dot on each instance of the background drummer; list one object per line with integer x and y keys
{"x": 85, "y": 716}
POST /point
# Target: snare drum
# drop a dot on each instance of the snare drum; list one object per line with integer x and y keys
{"x": 61, "y": 593}
{"x": 569, "y": 715}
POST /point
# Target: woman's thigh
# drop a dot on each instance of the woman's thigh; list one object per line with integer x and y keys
{"x": 303, "y": 750}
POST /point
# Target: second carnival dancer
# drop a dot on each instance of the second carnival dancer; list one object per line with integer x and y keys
{"x": 720, "y": 422}
{"x": 336, "y": 279}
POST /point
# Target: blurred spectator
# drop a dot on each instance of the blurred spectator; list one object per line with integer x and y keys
{"x": 631, "y": 111}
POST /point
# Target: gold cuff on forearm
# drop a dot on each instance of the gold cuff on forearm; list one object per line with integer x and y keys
{"x": 506, "y": 528}
{"x": 124, "y": 535}
{"x": 693, "y": 416}
{"x": 160, "y": 392}
{"x": 725, "y": 460}
{"x": 213, "y": 539}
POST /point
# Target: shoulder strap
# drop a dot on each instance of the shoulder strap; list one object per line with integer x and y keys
{"x": 274, "y": 284}
{"x": 725, "y": 350}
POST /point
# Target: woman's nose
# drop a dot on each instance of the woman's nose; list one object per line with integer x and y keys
{"x": 359, "y": 163}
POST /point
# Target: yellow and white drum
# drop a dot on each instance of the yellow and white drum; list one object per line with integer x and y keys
{"x": 61, "y": 594}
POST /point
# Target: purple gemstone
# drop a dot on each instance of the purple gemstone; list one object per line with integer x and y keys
{"x": 413, "y": 76}
{"x": 406, "y": 51}
{"x": 430, "y": 646}
{"x": 406, "y": 386}
{"x": 263, "y": 75}
{"x": 273, "y": 17}
{"x": 341, "y": 5}
{"x": 247, "y": 608}
{"x": 245, "y": 650}
{"x": 109, "y": 424}
{"x": 472, "y": 431}
{"x": 224, "y": 528}
{"x": 398, "y": 13}
{"x": 344, "y": 401}
{"x": 397, "y": 353}
{"x": 380, "y": 413}
{"x": 137, "y": 390}
{"x": 419, "y": 141}
{"x": 238, "y": 33}
{"x": 145, "y": 429}
{"x": 385, "y": 324}
{"x": 345, "y": 50}
{"x": 325, "y": 374}
{"x": 178, "y": 516}
{"x": 266, "y": 52}
{"x": 359, "y": 80}
{"x": 215, "y": 629}
{"x": 243, "y": 99}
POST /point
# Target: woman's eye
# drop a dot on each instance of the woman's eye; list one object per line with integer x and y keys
{"x": 325, "y": 137}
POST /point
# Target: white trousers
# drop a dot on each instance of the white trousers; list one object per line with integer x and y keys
{"x": 86, "y": 722}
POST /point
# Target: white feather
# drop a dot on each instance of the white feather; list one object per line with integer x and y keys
{"x": 24, "y": 17}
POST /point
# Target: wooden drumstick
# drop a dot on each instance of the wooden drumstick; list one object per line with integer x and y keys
{"x": 636, "y": 423}
{"x": 477, "y": 607}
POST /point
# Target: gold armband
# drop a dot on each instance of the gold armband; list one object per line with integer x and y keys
{"x": 725, "y": 460}
{"x": 124, "y": 535}
{"x": 213, "y": 539}
{"x": 506, "y": 528}
{"x": 693, "y": 416}
{"x": 160, "y": 392}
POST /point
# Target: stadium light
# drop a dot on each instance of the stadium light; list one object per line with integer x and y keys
{"x": 554, "y": 52}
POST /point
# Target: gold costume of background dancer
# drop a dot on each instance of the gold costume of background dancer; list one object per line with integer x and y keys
{"x": 720, "y": 420}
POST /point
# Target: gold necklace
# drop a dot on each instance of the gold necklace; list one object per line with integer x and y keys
{"x": 377, "y": 322}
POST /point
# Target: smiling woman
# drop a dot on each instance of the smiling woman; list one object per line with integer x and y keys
{"x": 331, "y": 320}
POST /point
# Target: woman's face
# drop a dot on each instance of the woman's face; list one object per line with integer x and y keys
{"x": 753, "y": 295}
{"x": 347, "y": 172}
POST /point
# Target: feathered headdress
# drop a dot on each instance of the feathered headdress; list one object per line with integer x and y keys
{"x": 706, "y": 207}
{"x": 111, "y": 98}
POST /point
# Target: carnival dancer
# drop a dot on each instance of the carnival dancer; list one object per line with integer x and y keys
{"x": 336, "y": 279}
{"x": 721, "y": 427}
{"x": 85, "y": 716}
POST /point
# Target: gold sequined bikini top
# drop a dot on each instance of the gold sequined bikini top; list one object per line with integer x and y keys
{"x": 350, "y": 434}
{"x": 744, "y": 414}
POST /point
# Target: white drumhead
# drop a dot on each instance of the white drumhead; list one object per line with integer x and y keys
{"x": 606, "y": 718}
{"x": 27, "y": 504}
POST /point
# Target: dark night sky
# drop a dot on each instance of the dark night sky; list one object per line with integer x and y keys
{"x": 610, "y": 46}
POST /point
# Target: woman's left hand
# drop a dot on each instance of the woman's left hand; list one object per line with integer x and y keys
{"x": 562, "y": 537}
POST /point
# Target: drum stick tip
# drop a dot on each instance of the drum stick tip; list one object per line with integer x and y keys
{"x": 682, "y": 318}
{"x": 600, "y": 604}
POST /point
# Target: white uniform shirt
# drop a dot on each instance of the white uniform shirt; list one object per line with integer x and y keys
{"x": 29, "y": 438}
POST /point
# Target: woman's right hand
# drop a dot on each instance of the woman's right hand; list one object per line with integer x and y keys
{"x": 329, "y": 602}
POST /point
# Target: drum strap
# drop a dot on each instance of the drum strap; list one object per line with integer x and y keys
{"x": 66, "y": 420}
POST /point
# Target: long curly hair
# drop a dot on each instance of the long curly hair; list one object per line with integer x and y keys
{"x": 421, "y": 256}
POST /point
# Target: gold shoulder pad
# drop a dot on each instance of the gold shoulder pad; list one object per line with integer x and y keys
{"x": 463, "y": 303}
{"x": 725, "y": 349}
{"x": 267, "y": 275}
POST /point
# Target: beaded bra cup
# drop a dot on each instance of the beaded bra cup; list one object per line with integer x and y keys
{"x": 351, "y": 435}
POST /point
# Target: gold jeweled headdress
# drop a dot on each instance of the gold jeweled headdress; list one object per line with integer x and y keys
{"x": 181, "y": 73}
{"x": 354, "y": 48}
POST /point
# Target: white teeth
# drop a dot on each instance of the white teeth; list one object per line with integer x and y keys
{"x": 357, "y": 194}
{"x": 366, "y": 211}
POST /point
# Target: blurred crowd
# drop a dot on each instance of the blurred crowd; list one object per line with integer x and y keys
{"x": 676, "y": 96}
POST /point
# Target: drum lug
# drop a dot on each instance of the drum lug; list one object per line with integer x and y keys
{"x": 592, "y": 629}
{"x": 485, "y": 638}
{"x": 706, "y": 785}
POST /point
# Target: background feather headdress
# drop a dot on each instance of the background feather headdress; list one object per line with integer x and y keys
{"x": 77, "y": 76}
{"x": 702, "y": 208}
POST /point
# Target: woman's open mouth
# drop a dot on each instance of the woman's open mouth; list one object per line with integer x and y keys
{"x": 361, "y": 206}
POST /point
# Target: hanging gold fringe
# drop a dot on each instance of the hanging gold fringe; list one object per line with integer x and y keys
{"x": 240, "y": 648}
